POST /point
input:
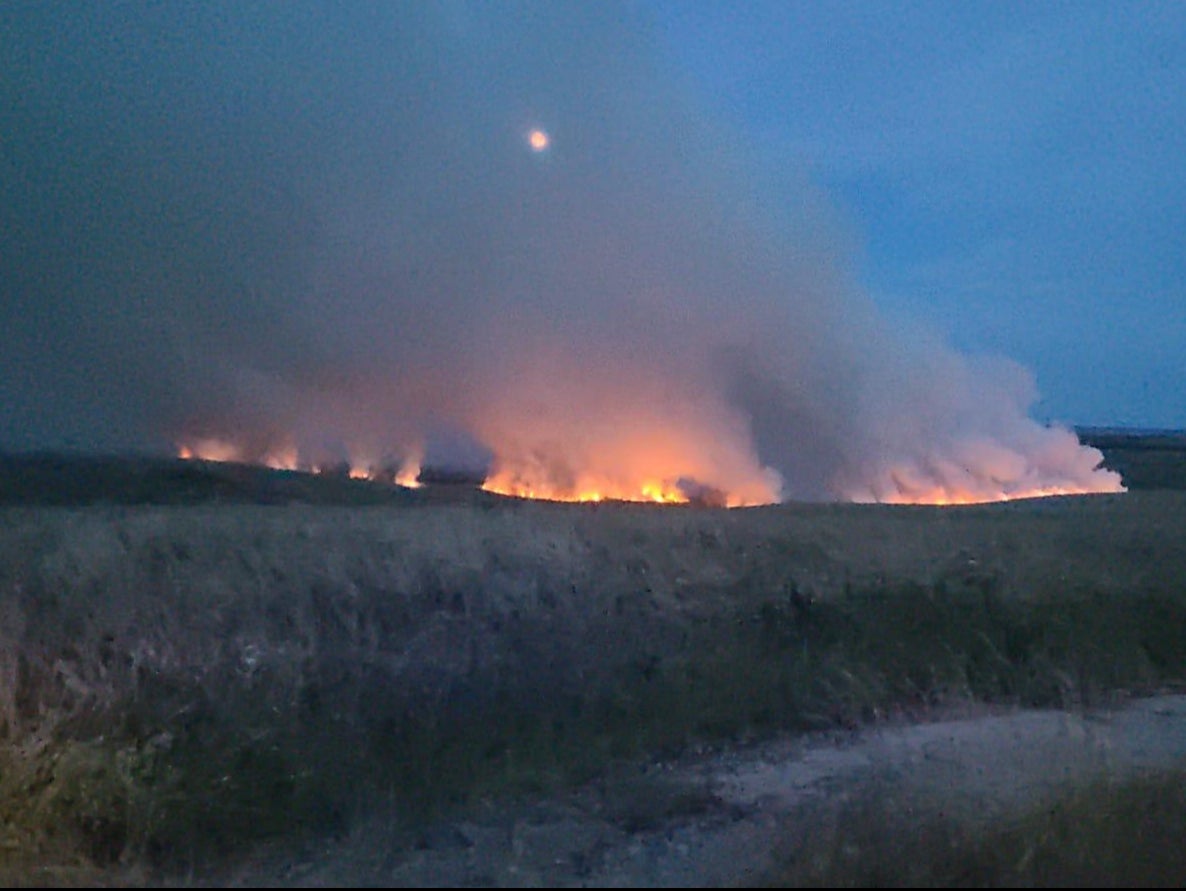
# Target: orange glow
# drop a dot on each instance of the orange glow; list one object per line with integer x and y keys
{"x": 648, "y": 461}
{"x": 649, "y": 468}
{"x": 538, "y": 140}
{"x": 942, "y": 497}
{"x": 284, "y": 458}
{"x": 650, "y": 491}
{"x": 987, "y": 472}
{"x": 210, "y": 449}
{"x": 408, "y": 475}
{"x": 288, "y": 457}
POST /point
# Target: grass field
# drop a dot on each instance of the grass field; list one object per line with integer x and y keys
{"x": 197, "y": 658}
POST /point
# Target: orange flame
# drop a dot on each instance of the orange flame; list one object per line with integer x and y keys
{"x": 210, "y": 450}
{"x": 288, "y": 457}
{"x": 979, "y": 471}
{"x": 656, "y": 491}
{"x": 944, "y": 497}
{"x": 669, "y": 469}
{"x": 641, "y": 465}
{"x": 409, "y": 474}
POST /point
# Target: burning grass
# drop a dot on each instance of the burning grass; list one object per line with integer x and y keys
{"x": 682, "y": 464}
{"x": 181, "y": 682}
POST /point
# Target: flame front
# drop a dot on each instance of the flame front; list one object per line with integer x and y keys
{"x": 652, "y": 467}
{"x": 699, "y": 453}
{"x": 528, "y": 482}
{"x": 656, "y": 490}
{"x": 287, "y": 456}
{"x": 978, "y": 471}
{"x": 668, "y": 470}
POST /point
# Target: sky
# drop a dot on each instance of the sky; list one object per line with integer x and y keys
{"x": 772, "y": 249}
{"x": 1012, "y": 172}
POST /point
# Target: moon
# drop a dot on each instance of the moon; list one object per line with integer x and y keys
{"x": 538, "y": 140}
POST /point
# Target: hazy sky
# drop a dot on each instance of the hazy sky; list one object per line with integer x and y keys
{"x": 813, "y": 248}
{"x": 1012, "y": 173}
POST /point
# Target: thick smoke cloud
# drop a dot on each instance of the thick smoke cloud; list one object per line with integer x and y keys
{"x": 322, "y": 227}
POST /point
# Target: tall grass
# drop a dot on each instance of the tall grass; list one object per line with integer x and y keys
{"x": 177, "y": 684}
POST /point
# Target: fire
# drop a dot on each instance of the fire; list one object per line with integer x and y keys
{"x": 284, "y": 458}
{"x": 631, "y": 459}
{"x": 409, "y": 474}
{"x": 633, "y": 482}
{"x": 656, "y": 491}
{"x": 288, "y": 457}
{"x": 943, "y": 497}
{"x": 209, "y": 450}
{"x": 680, "y": 466}
{"x": 978, "y": 471}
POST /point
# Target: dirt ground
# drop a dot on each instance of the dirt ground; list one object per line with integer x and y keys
{"x": 724, "y": 818}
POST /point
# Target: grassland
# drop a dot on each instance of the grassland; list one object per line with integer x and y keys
{"x": 198, "y": 659}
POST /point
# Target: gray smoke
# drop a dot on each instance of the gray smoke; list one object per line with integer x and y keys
{"x": 322, "y": 228}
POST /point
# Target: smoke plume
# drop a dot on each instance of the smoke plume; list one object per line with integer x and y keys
{"x": 310, "y": 233}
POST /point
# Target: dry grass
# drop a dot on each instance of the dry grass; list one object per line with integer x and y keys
{"x": 178, "y": 682}
{"x": 1105, "y": 835}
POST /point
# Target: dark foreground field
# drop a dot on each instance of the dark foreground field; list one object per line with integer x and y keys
{"x": 212, "y": 673}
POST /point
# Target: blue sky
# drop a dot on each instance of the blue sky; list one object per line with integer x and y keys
{"x": 1012, "y": 174}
